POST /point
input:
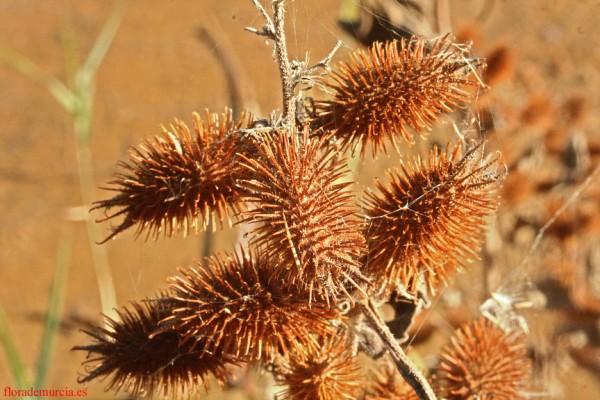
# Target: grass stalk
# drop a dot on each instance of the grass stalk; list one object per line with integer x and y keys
{"x": 12, "y": 354}
{"x": 54, "y": 311}
{"x": 79, "y": 103}
{"x": 7, "y": 342}
{"x": 82, "y": 122}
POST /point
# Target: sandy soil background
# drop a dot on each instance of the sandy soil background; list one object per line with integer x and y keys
{"x": 158, "y": 69}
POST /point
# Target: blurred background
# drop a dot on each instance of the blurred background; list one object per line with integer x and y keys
{"x": 171, "y": 58}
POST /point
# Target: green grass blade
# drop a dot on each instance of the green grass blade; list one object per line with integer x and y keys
{"x": 85, "y": 76}
{"x": 68, "y": 39}
{"x": 12, "y": 354}
{"x": 54, "y": 307}
{"x": 60, "y": 92}
{"x": 104, "y": 39}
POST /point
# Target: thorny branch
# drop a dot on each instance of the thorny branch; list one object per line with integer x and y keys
{"x": 292, "y": 73}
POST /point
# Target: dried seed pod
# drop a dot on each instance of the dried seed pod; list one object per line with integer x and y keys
{"x": 501, "y": 63}
{"x": 393, "y": 88}
{"x": 328, "y": 372}
{"x": 138, "y": 363}
{"x": 430, "y": 218}
{"x": 387, "y": 384}
{"x": 178, "y": 181}
{"x": 302, "y": 215}
{"x": 483, "y": 362}
{"x": 234, "y": 305}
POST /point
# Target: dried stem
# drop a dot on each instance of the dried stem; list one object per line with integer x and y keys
{"x": 406, "y": 368}
{"x": 274, "y": 30}
{"x": 285, "y": 69}
{"x": 293, "y": 72}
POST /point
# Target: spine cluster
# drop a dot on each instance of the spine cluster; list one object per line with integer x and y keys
{"x": 287, "y": 302}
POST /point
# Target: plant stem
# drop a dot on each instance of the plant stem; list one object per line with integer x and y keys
{"x": 101, "y": 266}
{"x": 285, "y": 69}
{"x": 57, "y": 292}
{"x": 82, "y": 114}
{"x": 405, "y": 366}
{"x": 82, "y": 121}
{"x": 293, "y": 72}
{"x": 13, "y": 358}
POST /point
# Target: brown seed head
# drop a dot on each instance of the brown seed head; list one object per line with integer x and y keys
{"x": 302, "y": 215}
{"x": 393, "y": 88}
{"x": 387, "y": 384}
{"x": 501, "y": 63}
{"x": 138, "y": 363}
{"x": 235, "y": 306}
{"x": 483, "y": 362}
{"x": 430, "y": 218}
{"x": 328, "y": 372}
{"x": 179, "y": 180}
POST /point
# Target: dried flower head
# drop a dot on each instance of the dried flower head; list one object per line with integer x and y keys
{"x": 235, "y": 306}
{"x": 576, "y": 109}
{"x": 430, "y": 218}
{"x": 179, "y": 180}
{"x": 387, "y": 384}
{"x": 500, "y": 65}
{"x": 483, "y": 362}
{"x": 302, "y": 215}
{"x": 328, "y": 372}
{"x": 138, "y": 363}
{"x": 393, "y": 88}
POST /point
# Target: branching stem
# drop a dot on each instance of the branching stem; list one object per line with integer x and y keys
{"x": 293, "y": 72}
